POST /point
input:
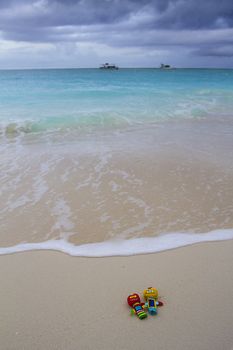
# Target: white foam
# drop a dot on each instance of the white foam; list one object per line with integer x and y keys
{"x": 119, "y": 247}
{"x": 62, "y": 212}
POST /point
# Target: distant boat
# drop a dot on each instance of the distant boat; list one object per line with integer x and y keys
{"x": 165, "y": 66}
{"x": 108, "y": 66}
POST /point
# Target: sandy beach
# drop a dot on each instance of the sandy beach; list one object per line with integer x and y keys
{"x": 50, "y": 300}
{"x": 118, "y": 179}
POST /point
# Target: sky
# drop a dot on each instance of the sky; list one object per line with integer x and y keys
{"x": 129, "y": 33}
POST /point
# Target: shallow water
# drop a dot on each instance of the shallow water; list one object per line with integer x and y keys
{"x": 90, "y": 156}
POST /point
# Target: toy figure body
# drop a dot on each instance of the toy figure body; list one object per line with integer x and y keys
{"x": 151, "y": 295}
{"x": 136, "y": 305}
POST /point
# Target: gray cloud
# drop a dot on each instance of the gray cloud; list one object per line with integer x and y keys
{"x": 216, "y": 51}
{"x": 202, "y": 28}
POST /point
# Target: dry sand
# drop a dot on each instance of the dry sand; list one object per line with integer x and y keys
{"x": 49, "y": 300}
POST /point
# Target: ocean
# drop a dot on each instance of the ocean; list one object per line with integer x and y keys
{"x": 115, "y": 162}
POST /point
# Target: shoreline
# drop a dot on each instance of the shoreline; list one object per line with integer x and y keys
{"x": 118, "y": 247}
{"x": 54, "y": 301}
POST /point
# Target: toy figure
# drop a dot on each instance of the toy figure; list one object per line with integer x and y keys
{"x": 136, "y": 305}
{"x": 151, "y": 295}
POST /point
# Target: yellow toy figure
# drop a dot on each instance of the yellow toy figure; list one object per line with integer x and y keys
{"x": 151, "y": 296}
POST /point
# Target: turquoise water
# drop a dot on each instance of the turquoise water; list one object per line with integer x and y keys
{"x": 41, "y": 100}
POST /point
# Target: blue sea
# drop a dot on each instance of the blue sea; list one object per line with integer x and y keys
{"x": 115, "y": 162}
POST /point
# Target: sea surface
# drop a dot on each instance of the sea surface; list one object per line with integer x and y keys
{"x": 101, "y": 163}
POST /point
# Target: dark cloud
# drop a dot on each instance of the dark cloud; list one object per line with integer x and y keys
{"x": 167, "y": 14}
{"x": 202, "y": 26}
{"x": 197, "y": 15}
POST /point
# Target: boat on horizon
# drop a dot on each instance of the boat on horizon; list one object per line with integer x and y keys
{"x": 108, "y": 66}
{"x": 165, "y": 66}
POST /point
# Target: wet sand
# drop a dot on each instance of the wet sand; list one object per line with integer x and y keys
{"x": 125, "y": 190}
{"x": 50, "y": 300}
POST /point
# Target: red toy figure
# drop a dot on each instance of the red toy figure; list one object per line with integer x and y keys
{"x": 136, "y": 305}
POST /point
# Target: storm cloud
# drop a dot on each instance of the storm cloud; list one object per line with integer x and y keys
{"x": 135, "y": 32}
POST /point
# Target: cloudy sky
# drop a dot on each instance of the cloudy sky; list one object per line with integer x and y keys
{"x": 130, "y": 33}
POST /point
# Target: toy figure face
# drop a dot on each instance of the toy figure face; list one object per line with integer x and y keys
{"x": 150, "y": 293}
{"x": 133, "y": 298}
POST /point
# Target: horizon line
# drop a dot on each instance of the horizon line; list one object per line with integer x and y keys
{"x": 71, "y": 68}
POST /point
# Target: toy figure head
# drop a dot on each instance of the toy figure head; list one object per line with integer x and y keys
{"x": 150, "y": 293}
{"x": 133, "y": 298}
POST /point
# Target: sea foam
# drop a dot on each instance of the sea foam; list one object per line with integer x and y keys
{"x": 120, "y": 247}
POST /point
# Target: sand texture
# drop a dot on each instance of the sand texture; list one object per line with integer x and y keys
{"x": 49, "y": 300}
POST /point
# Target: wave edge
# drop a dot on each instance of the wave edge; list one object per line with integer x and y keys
{"x": 121, "y": 247}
